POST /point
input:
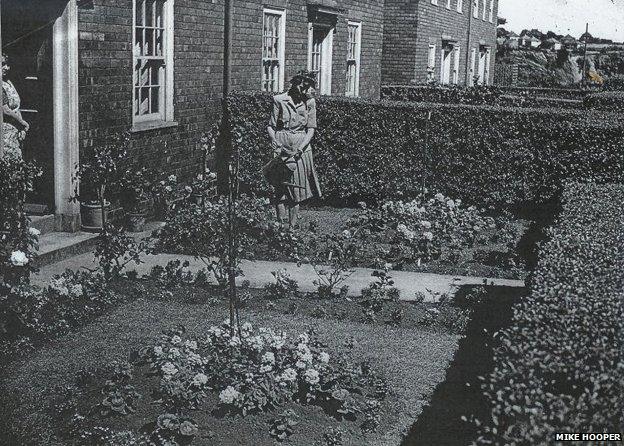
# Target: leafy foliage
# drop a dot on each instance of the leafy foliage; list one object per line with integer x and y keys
{"x": 559, "y": 366}
{"x": 481, "y": 154}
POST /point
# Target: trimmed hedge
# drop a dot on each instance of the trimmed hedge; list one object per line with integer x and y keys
{"x": 559, "y": 367}
{"x": 373, "y": 150}
{"x": 608, "y": 101}
{"x": 441, "y": 95}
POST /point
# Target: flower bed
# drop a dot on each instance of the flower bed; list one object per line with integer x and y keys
{"x": 483, "y": 155}
{"x": 360, "y": 387}
{"x": 559, "y": 367}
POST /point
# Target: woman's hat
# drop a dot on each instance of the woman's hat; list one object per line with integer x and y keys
{"x": 304, "y": 76}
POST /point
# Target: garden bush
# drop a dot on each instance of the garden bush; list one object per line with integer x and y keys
{"x": 606, "y": 100}
{"x": 614, "y": 83}
{"x": 444, "y": 95}
{"x": 559, "y": 365}
{"x": 483, "y": 155}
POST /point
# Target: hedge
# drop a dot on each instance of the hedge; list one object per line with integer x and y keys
{"x": 373, "y": 150}
{"x": 559, "y": 367}
{"x": 608, "y": 101}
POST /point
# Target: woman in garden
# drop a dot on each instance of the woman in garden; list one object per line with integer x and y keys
{"x": 14, "y": 127}
{"x": 291, "y": 129}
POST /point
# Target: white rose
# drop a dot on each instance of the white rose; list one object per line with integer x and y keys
{"x": 229, "y": 395}
{"x": 268, "y": 357}
{"x": 324, "y": 357}
{"x": 34, "y": 231}
{"x": 428, "y": 236}
{"x": 169, "y": 369}
{"x": 200, "y": 379}
{"x": 18, "y": 258}
{"x": 312, "y": 376}
{"x": 425, "y": 224}
{"x": 175, "y": 339}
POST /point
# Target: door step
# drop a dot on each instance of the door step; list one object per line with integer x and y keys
{"x": 57, "y": 246}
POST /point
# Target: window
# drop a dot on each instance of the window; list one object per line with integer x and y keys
{"x": 456, "y": 54}
{"x": 448, "y": 4}
{"x": 431, "y": 58}
{"x": 273, "y": 36}
{"x": 473, "y": 65}
{"x": 475, "y": 8}
{"x": 460, "y": 5}
{"x": 484, "y": 65}
{"x": 445, "y": 67}
{"x": 320, "y": 48}
{"x": 153, "y": 60}
{"x": 354, "y": 43}
{"x": 491, "y": 11}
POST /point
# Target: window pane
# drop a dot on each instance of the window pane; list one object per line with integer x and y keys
{"x": 144, "y": 101}
{"x": 149, "y": 12}
{"x": 159, "y": 13}
{"x": 149, "y": 43}
{"x": 159, "y": 42}
{"x": 155, "y": 102}
{"x": 143, "y": 77}
{"x": 139, "y": 12}
{"x": 155, "y": 67}
{"x": 139, "y": 42}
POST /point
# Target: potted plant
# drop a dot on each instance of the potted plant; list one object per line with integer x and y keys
{"x": 98, "y": 176}
{"x": 137, "y": 185}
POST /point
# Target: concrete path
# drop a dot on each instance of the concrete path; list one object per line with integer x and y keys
{"x": 258, "y": 273}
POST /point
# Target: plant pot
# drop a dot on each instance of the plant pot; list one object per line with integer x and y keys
{"x": 91, "y": 216}
{"x": 135, "y": 221}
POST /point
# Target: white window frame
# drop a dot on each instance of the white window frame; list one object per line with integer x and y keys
{"x": 486, "y": 70}
{"x": 473, "y": 67}
{"x": 491, "y": 18}
{"x": 456, "y": 56}
{"x": 484, "y": 13}
{"x": 165, "y": 114}
{"x": 434, "y": 2}
{"x": 326, "y": 62}
{"x": 431, "y": 61}
{"x": 281, "y": 50}
{"x": 460, "y": 6}
{"x": 475, "y": 9}
{"x": 446, "y": 77}
{"x": 448, "y": 4}
{"x": 356, "y": 59}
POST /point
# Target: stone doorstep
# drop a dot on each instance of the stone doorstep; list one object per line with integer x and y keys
{"x": 57, "y": 246}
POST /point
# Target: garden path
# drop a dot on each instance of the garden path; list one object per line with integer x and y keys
{"x": 258, "y": 273}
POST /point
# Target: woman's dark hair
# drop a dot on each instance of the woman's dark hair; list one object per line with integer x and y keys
{"x": 304, "y": 77}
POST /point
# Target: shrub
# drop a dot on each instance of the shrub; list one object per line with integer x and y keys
{"x": 607, "y": 100}
{"x": 488, "y": 155}
{"x": 614, "y": 83}
{"x": 559, "y": 366}
{"x": 445, "y": 95}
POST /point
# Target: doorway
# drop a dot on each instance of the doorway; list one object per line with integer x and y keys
{"x": 321, "y": 38}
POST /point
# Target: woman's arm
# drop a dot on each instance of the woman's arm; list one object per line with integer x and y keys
{"x": 308, "y": 137}
{"x": 16, "y": 116}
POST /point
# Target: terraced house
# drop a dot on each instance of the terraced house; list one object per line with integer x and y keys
{"x": 87, "y": 69}
{"x": 439, "y": 41}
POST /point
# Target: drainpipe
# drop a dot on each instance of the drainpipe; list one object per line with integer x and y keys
{"x": 468, "y": 49}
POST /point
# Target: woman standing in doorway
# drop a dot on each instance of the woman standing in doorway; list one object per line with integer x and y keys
{"x": 291, "y": 129}
{"x": 14, "y": 127}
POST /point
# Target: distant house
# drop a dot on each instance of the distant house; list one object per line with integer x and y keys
{"x": 512, "y": 41}
{"x": 570, "y": 42}
{"x": 551, "y": 44}
{"x": 442, "y": 41}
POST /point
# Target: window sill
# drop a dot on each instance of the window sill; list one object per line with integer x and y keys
{"x": 152, "y": 125}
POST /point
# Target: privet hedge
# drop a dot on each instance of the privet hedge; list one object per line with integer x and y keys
{"x": 560, "y": 367}
{"x": 372, "y": 150}
{"x": 607, "y": 100}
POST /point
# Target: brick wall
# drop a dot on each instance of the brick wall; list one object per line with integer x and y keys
{"x": 247, "y": 57}
{"x": 105, "y": 81}
{"x": 410, "y": 28}
{"x": 105, "y": 68}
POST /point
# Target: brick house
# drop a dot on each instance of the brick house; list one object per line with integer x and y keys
{"x": 87, "y": 69}
{"x": 441, "y": 41}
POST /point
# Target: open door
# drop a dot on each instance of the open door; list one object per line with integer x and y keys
{"x": 27, "y": 28}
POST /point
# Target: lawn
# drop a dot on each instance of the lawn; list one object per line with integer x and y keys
{"x": 411, "y": 357}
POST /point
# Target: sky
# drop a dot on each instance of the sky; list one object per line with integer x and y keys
{"x": 605, "y": 17}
